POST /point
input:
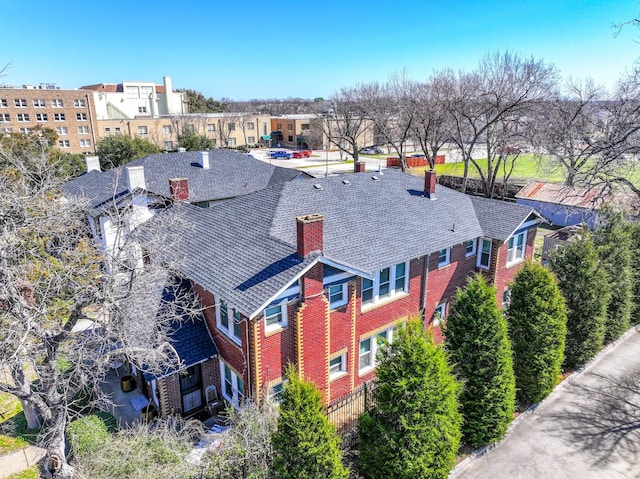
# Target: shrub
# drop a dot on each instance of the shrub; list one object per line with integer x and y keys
{"x": 537, "y": 329}
{"x": 476, "y": 337}
{"x": 87, "y": 435}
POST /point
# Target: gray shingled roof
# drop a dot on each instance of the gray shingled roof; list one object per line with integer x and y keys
{"x": 230, "y": 174}
{"x": 245, "y": 248}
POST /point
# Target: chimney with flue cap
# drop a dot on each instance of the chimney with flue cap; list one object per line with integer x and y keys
{"x": 135, "y": 178}
{"x": 179, "y": 188}
{"x": 309, "y": 233}
{"x": 430, "y": 184}
{"x": 204, "y": 160}
{"x": 93, "y": 163}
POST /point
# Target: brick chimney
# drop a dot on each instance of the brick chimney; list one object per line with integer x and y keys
{"x": 358, "y": 166}
{"x": 204, "y": 160}
{"x": 135, "y": 178}
{"x": 93, "y": 163}
{"x": 179, "y": 188}
{"x": 430, "y": 184}
{"x": 310, "y": 233}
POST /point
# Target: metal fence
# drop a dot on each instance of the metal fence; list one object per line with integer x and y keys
{"x": 344, "y": 412}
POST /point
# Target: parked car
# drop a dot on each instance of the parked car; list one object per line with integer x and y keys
{"x": 302, "y": 154}
{"x": 372, "y": 150}
{"x": 418, "y": 155}
{"x": 280, "y": 154}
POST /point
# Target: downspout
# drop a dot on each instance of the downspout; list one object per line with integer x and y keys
{"x": 93, "y": 125}
{"x": 248, "y": 359}
{"x": 423, "y": 292}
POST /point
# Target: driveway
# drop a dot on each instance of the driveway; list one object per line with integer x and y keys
{"x": 588, "y": 428}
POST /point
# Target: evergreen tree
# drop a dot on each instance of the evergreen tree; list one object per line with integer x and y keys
{"x": 586, "y": 292}
{"x": 476, "y": 336}
{"x": 537, "y": 328}
{"x": 414, "y": 428}
{"x": 305, "y": 444}
{"x": 118, "y": 150}
{"x": 192, "y": 141}
{"x": 614, "y": 242}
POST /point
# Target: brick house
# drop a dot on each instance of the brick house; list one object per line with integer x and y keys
{"x": 319, "y": 273}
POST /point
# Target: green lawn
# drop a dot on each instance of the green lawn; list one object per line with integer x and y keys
{"x": 13, "y": 425}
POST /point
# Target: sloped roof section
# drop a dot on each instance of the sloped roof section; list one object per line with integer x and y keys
{"x": 587, "y": 198}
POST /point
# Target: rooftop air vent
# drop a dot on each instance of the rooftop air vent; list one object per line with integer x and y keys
{"x": 375, "y": 178}
{"x": 317, "y": 186}
{"x": 346, "y": 182}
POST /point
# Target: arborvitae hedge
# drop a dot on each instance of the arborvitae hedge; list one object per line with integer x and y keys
{"x": 537, "y": 323}
{"x": 476, "y": 336}
{"x": 586, "y": 292}
{"x": 414, "y": 428}
{"x": 305, "y": 444}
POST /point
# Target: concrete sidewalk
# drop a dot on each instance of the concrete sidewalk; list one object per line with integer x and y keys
{"x": 588, "y": 428}
{"x": 18, "y": 461}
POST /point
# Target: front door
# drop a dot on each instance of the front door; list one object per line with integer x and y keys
{"x": 191, "y": 390}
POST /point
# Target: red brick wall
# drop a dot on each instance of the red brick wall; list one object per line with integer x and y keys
{"x": 310, "y": 233}
{"x": 505, "y": 275}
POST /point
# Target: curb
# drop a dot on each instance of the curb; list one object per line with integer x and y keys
{"x": 462, "y": 465}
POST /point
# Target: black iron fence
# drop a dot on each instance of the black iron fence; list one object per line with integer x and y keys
{"x": 344, "y": 412}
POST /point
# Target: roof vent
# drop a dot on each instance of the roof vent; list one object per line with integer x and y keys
{"x": 317, "y": 186}
{"x": 346, "y": 182}
{"x": 375, "y": 178}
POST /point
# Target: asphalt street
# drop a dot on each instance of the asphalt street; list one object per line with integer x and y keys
{"x": 588, "y": 428}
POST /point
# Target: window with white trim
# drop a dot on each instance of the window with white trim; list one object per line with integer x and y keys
{"x": 275, "y": 392}
{"x": 275, "y": 316}
{"x": 444, "y": 257}
{"x": 231, "y": 126}
{"x": 20, "y": 102}
{"x": 5, "y": 117}
{"x": 58, "y": 117}
{"x": 250, "y": 126}
{"x": 83, "y": 130}
{"x": 338, "y": 366}
{"x": 370, "y": 346}
{"x": 232, "y": 385}
{"x": 166, "y": 129}
{"x": 81, "y": 116}
{"x": 26, "y": 131}
{"x": 42, "y": 117}
{"x": 85, "y": 143}
{"x": 63, "y": 143}
{"x": 57, "y": 103}
{"x": 62, "y": 130}
{"x": 251, "y": 140}
{"x": 5, "y": 129}
{"x": 470, "y": 248}
{"x": 338, "y": 295}
{"x": 142, "y": 109}
{"x": 143, "y": 130}
{"x": 211, "y": 127}
{"x": 388, "y": 282}
{"x": 484, "y": 254}
{"x": 39, "y": 103}
{"x": 22, "y": 117}
{"x": 168, "y": 145}
{"x": 517, "y": 247}
{"x": 232, "y": 142}
{"x": 440, "y": 314}
{"x": 79, "y": 103}
{"x": 229, "y": 321}
{"x": 3, "y": 103}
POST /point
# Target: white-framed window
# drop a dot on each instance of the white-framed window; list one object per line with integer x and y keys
{"x": 275, "y": 316}
{"x": 168, "y": 145}
{"x": 146, "y": 91}
{"x": 305, "y": 126}
{"x": 42, "y": 117}
{"x": 439, "y": 314}
{"x": 211, "y": 127}
{"x": 5, "y": 129}
{"x": 5, "y": 117}
{"x": 444, "y": 257}
{"x": 289, "y": 126}
{"x": 166, "y": 129}
{"x": 39, "y": 103}
{"x": 117, "y": 129}
{"x": 132, "y": 92}
{"x": 63, "y": 143}
{"x": 107, "y": 129}
{"x": 484, "y": 253}
{"x": 26, "y": 131}
{"x": 81, "y": 116}
{"x": 250, "y": 126}
{"x": 3, "y": 103}
{"x": 22, "y": 117}
{"x": 62, "y": 130}
{"x": 232, "y": 385}
{"x": 517, "y": 247}
{"x": 20, "y": 102}
{"x": 338, "y": 366}
{"x": 85, "y": 143}
{"x": 387, "y": 283}
{"x": 232, "y": 126}
{"x": 338, "y": 295}
{"x": 232, "y": 142}
{"x": 83, "y": 130}
{"x": 470, "y": 248}
{"x": 229, "y": 322}
{"x": 251, "y": 140}
{"x": 142, "y": 109}
{"x": 58, "y": 117}
{"x": 275, "y": 392}
{"x": 143, "y": 130}
{"x": 57, "y": 103}
{"x": 369, "y": 347}
{"x": 79, "y": 103}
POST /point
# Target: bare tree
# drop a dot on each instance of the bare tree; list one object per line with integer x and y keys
{"x": 430, "y": 123}
{"x": 502, "y": 88}
{"x": 50, "y": 273}
{"x": 344, "y": 122}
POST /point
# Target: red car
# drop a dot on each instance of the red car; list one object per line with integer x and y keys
{"x": 302, "y": 154}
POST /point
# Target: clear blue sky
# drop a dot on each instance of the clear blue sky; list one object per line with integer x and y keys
{"x": 249, "y": 49}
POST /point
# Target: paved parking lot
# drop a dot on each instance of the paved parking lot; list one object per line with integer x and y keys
{"x": 589, "y": 428}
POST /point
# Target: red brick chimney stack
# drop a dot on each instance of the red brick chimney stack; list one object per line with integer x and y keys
{"x": 179, "y": 188}
{"x": 310, "y": 233}
{"x": 430, "y": 184}
{"x": 358, "y": 166}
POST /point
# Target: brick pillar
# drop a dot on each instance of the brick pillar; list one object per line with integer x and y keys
{"x": 309, "y": 233}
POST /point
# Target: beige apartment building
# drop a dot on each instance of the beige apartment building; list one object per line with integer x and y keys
{"x": 70, "y": 113}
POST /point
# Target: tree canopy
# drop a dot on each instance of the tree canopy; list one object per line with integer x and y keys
{"x": 117, "y": 150}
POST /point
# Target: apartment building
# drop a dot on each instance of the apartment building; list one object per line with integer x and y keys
{"x": 70, "y": 113}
